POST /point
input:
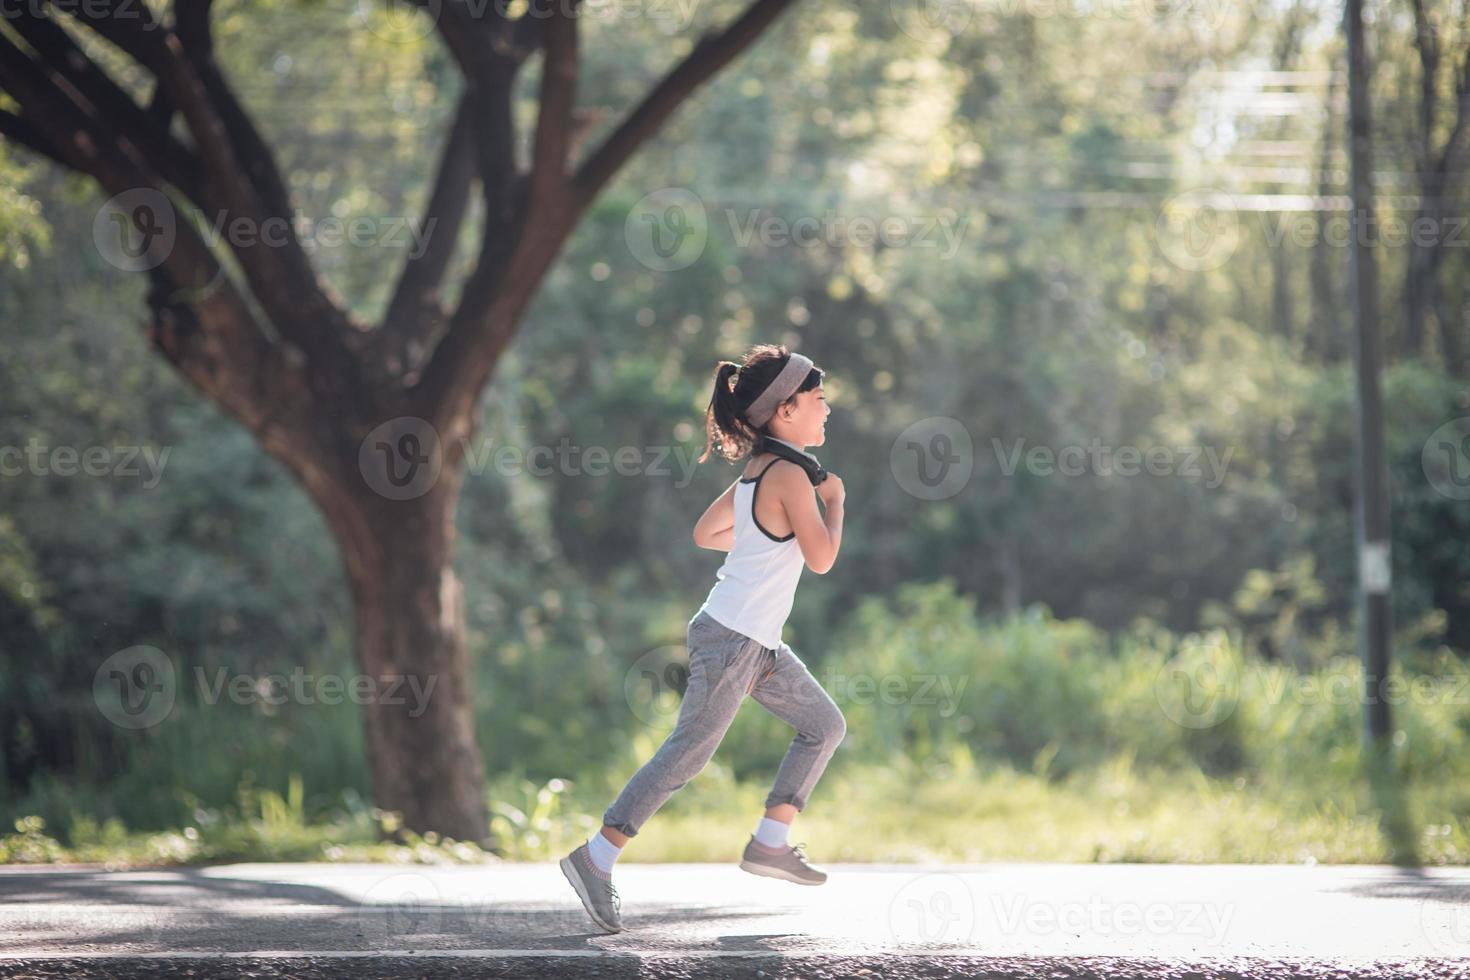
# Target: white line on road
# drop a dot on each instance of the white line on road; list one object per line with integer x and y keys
{"x": 356, "y": 954}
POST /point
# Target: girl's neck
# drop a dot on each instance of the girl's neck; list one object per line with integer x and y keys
{"x": 788, "y": 442}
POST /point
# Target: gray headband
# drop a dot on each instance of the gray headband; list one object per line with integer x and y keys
{"x": 783, "y": 387}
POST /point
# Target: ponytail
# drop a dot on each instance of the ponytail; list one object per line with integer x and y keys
{"x": 726, "y": 431}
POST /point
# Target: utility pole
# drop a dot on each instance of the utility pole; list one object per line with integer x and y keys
{"x": 1371, "y": 496}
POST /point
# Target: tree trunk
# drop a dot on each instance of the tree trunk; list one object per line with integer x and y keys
{"x": 1282, "y": 313}
{"x": 1325, "y": 338}
{"x": 1451, "y": 331}
{"x": 1418, "y": 297}
{"x": 408, "y": 609}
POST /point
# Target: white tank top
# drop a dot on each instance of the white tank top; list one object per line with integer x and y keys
{"x": 757, "y": 583}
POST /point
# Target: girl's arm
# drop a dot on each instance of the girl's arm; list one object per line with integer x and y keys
{"x": 716, "y": 529}
{"x": 820, "y": 536}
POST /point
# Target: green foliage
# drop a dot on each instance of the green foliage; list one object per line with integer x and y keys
{"x": 532, "y": 821}
{"x": 23, "y": 232}
{"x": 29, "y": 844}
{"x": 1057, "y": 319}
{"x": 1051, "y": 726}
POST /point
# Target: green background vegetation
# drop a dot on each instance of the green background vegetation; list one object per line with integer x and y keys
{"x": 1054, "y": 142}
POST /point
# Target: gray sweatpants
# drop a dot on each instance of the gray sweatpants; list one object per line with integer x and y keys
{"x": 725, "y": 666}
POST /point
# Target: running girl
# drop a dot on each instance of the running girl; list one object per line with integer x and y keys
{"x": 770, "y": 407}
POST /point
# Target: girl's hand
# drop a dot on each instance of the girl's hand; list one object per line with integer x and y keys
{"x": 831, "y": 489}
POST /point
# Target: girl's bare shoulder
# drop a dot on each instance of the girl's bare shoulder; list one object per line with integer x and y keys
{"x": 757, "y": 465}
{"x": 782, "y": 476}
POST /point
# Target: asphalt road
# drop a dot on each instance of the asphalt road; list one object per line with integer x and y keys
{"x": 515, "y": 920}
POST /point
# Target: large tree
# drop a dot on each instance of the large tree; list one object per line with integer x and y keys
{"x": 356, "y": 410}
{"x": 1437, "y": 164}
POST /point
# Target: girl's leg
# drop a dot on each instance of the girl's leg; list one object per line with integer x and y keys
{"x": 784, "y": 812}
{"x": 790, "y": 692}
{"x": 721, "y": 667}
{"x": 774, "y": 829}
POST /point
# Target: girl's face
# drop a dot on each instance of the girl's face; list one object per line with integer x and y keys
{"x": 803, "y": 420}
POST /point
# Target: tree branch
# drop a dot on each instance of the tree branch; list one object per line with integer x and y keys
{"x": 477, "y": 46}
{"x": 520, "y": 39}
{"x": 1462, "y": 117}
{"x": 1427, "y": 46}
{"x": 253, "y": 154}
{"x": 501, "y": 186}
{"x": 280, "y": 275}
{"x": 191, "y": 23}
{"x": 20, "y": 130}
{"x": 469, "y": 40}
{"x": 46, "y": 101}
{"x": 558, "y": 98}
{"x": 218, "y": 346}
{"x": 415, "y": 303}
{"x": 713, "y": 52}
{"x": 195, "y": 39}
{"x": 513, "y": 261}
{"x": 128, "y": 26}
{"x": 109, "y": 103}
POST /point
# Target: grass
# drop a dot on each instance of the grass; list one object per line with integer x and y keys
{"x": 1115, "y": 813}
{"x": 1057, "y": 742}
{"x": 261, "y": 826}
{"x": 897, "y": 813}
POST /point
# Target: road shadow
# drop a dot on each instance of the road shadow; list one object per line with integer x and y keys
{"x": 152, "y": 886}
{"x": 1414, "y": 883}
{"x": 186, "y": 909}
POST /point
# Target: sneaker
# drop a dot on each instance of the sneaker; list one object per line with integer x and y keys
{"x": 595, "y": 889}
{"x": 789, "y": 863}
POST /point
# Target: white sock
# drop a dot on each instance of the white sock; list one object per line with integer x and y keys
{"x": 603, "y": 852}
{"x": 772, "y": 833}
